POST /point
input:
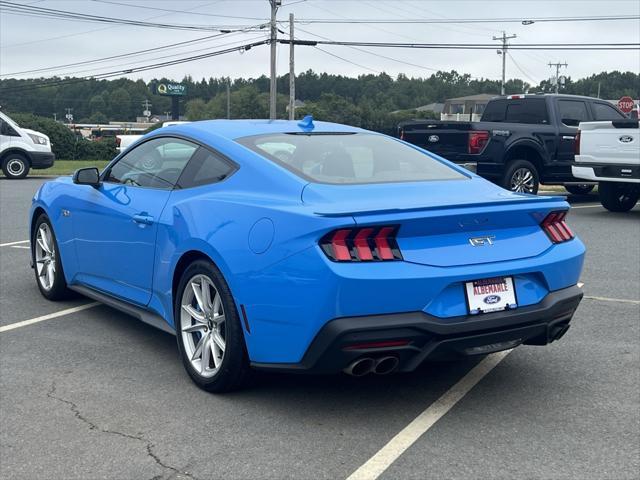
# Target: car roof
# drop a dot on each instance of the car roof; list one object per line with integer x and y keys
{"x": 233, "y": 129}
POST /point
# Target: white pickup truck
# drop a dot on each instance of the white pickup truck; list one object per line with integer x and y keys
{"x": 609, "y": 153}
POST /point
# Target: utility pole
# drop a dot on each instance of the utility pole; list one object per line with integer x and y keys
{"x": 146, "y": 112}
{"x": 292, "y": 73}
{"x": 274, "y": 40}
{"x": 558, "y": 65}
{"x": 228, "y": 98}
{"x": 503, "y": 52}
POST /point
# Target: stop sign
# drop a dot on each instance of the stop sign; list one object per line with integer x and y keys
{"x": 625, "y": 104}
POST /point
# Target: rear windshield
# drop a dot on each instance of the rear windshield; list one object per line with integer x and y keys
{"x": 525, "y": 110}
{"x": 349, "y": 158}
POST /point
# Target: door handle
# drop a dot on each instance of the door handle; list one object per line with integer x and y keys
{"x": 568, "y": 137}
{"x": 143, "y": 219}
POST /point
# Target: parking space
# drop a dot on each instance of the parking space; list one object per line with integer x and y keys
{"x": 97, "y": 394}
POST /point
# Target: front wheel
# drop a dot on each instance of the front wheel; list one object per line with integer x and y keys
{"x": 15, "y": 166}
{"x": 46, "y": 261}
{"x": 618, "y": 197}
{"x": 522, "y": 177}
{"x": 210, "y": 338}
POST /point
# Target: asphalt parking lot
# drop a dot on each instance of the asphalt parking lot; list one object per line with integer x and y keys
{"x": 97, "y": 394}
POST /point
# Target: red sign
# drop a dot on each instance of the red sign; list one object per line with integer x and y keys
{"x": 625, "y": 104}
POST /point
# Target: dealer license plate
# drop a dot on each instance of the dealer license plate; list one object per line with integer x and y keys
{"x": 490, "y": 295}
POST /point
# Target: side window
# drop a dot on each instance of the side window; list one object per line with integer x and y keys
{"x": 494, "y": 111}
{"x": 533, "y": 111}
{"x": 205, "y": 167}
{"x": 602, "y": 111}
{"x": 573, "y": 110}
{"x": 7, "y": 130}
{"x": 157, "y": 163}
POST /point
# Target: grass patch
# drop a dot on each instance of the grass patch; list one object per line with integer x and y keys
{"x": 67, "y": 167}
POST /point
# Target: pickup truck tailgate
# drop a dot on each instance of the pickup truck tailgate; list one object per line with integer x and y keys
{"x": 447, "y": 139}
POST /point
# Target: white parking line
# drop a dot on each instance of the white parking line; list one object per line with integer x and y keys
{"x": 61, "y": 313}
{"x": 13, "y": 243}
{"x": 617, "y": 300}
{"x": 21, "y": 246}
{"x": 587, "y": 206}
{"x": 376, "y": 465}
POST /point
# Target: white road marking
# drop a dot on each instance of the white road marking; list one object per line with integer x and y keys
{"x": 376, "y": 465}
{"x": 21, "y": 246}
{"x": 608, "y": 299}
{"x": 61, "y": 313}
{"x": 13, "y": 243}
{"x": 587, "y": 206}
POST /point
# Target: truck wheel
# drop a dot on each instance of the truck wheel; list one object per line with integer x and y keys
{"x": 522, "y": 177}
{"x": 15, "y": 166}
{"x": 618, "y": 197}
{"x": 578, "y": 188}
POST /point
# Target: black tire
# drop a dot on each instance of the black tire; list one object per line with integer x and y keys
{"x": 234, "y": 368}
{"x": 515, "y": 170}
{"x": 579, "y": 188}
{"x": 15, "y": 166}
{"x": 618, "y": 197}
{"x": 58, "y": 290}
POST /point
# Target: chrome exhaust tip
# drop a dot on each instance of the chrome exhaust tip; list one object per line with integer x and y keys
{"x": 386, "y": 365}
{"x": 360, "y": 367}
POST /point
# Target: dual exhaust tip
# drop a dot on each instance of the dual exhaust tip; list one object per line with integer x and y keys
{"x": 366, "y": 365}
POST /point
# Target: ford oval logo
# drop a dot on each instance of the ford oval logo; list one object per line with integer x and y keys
{"x": 492, "y": 299}
{"x": 626, "y": 139}
{"x": 434, "y": 138}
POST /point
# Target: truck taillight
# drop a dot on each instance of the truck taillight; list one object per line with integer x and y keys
{"x": 556, "y": 228}
{"x": 576, "y": 144}
{"x": 477, "y": 141}
{"x": 365, "y": 244}
{"x": 118, "y": 141}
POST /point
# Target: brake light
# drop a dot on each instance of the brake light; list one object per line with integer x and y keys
{"x": 118, "y": 141}
{"x": 556, "y": 228}
{"x": 576, "y": 143}
{"x": 477, "y": 141}
{"x": 402, "y": 134}
{"x": 366, "y": 244}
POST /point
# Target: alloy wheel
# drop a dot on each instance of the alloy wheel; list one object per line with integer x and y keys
{"x": 522, "y": 181}
{"x": 202, "y": 325}
{"x": 45, "y": 255}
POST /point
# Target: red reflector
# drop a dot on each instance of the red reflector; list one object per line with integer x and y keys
{"x": 576, "y": 144}
{"x": 477, "y": 141}
{"x": 386, "y": 344}
{"x": 361, "y": 241}
{"x": 339, "y": 244}
{"x": 382, "y": 243}
{"x": 556, "y": 228}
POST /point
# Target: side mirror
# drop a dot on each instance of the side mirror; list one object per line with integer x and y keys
{"x": 571, "y": 122}
{"x": 87, "y": 176}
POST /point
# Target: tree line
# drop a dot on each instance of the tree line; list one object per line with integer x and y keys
{"x": 375, "y": 102}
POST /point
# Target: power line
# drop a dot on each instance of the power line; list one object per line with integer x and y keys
{"x": 113, "y": 57}
{"x": 527, "y": 76}
{"x": 41, "y": 12}
{"x": 141, "y": 68}
{"x": 526, "y": 20}
{"x": 345, "y": 60}
{"x": 147, "y": 7}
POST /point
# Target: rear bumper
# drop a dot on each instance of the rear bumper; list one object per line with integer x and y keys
{"x": 431, "y": 337}
{"x": 41, "y": 160}
{"x": 607, "y": 172}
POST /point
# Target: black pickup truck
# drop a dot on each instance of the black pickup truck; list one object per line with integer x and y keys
{"x": 520, "y": 140}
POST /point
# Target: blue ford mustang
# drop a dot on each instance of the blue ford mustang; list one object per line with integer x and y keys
{"x": 312, "y": 247}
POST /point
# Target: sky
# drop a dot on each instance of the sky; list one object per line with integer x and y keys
{"x": 28, "y": 42}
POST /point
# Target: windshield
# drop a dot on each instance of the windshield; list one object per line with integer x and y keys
{"x": 351, "y": 158}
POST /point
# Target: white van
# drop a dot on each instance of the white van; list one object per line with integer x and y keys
{"x": 22, "y": 149}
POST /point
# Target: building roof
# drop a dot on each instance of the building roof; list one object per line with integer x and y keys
{"x": 479, "y": 96}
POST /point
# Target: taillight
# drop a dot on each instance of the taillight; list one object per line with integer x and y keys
{"x": 477, "y": 141}
{"x": 556, "y": 228}
{"x": 576, "y": 144}
{"x": 365, "y": 244}
{"x": 118, "y": 141}
{"x": 402, "y": 134}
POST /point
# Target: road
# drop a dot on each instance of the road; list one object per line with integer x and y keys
{"x": 97, "y": 394}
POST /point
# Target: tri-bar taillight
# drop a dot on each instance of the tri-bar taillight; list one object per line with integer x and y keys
{"x": 556, "y": 228}
{"x": 362, "y": 244}
{"x": 477, "y": 141}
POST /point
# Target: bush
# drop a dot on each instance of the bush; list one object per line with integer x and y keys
{"x": 64, "y": 143}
